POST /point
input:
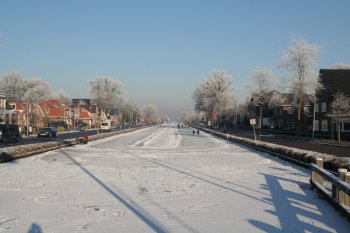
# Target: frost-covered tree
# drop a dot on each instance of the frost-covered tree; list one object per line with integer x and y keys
{"x": 150, "y": 112}
{"x": 261, "y": 85}
{"x": 64, "y": 98}
{"x": 129, "y": 111}
{"x": 12, "y": 85}
{"x": 190, "y": 117}
{"x": 214, "y": 95}
{"x": 340, "y": 108}
{"x": 36, "y": 90}
{"x": 107, "y": 92}
{"x": 300, "y": 60}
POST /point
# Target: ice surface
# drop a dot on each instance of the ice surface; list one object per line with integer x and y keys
{"x": 160, "y": 179}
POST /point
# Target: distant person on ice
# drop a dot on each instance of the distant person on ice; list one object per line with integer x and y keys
{"x": 194, "y": 132}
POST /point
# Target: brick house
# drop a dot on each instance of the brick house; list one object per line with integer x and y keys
{"x": 86, "y": 113}
{"x": 280, "y": 114}
{"x": 333, "y": 81}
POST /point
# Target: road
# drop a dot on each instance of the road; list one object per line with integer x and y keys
{"x": 60, "y": 136}
{"x": 34, "y": 139}
{"x": 161, "y": 179}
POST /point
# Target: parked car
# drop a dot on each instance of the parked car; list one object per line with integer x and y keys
{"x": 106, "y": 126}
{"x": 9, "y": 132}
{"x": 47, "y": 132}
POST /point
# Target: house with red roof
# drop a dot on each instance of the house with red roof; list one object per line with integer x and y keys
{"x": 86, "y": 114}
{"x": 56, "y": 114}
{"x": 82, "y": 117}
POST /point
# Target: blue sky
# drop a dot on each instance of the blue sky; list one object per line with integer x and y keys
{"x": 161, "y": 50}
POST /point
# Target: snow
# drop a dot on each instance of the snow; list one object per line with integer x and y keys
{"x": 160, "y": 179}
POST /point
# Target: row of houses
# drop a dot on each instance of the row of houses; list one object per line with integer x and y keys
{"x": 280, "y": 114}
{"x": 283, "y": 117}
{"x": 81, "y": 113}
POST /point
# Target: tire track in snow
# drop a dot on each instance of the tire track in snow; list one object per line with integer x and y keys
{"x": 163, "y": 138}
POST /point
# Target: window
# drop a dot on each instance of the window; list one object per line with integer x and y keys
{"x": 316, "y": 124}
{"x": 324, "y": 125}
{"x": 317, "y": 108}
{"x": 345, "y": 126}
{"x": 290, "y": 110}
{"x": 290, "y": 123}
{"x": 324, "y": 107}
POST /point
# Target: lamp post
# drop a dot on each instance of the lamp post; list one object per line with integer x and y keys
{"x": 260, "y": 124}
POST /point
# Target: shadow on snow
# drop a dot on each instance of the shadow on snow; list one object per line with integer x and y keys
{"x": 292, "y": 210}
{"x": 288, "y": 205}
{"x": 122, "y": 198}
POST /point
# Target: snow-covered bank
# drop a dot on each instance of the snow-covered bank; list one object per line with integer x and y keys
{"x": 16, "y": 152}
{"x": 160, "y": 180}
{"x": 330, "y": 162}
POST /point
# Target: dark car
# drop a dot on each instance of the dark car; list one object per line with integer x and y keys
{"x": 9, "y": 132}
{"x": 47, "y": 132}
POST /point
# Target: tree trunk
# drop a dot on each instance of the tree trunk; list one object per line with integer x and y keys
{"x": 338, "y": 131}
{"x": 299, "y": 120}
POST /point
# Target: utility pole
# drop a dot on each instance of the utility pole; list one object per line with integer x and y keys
{"x": 27, "y": 116}
{"x": 260, "y": 121}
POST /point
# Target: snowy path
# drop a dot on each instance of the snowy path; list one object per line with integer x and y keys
{"x": 160, "y": 179}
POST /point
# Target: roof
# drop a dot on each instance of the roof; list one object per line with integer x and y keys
{"x": 84, "y": 113}
{"x": 335, "y": 80}
{"x": 81, "y": 112}
{"x": 55, "y": 108}
{"x": 19, "y": 106}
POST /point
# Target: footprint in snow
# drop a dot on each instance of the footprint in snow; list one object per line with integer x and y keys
{"x": 142, "y": 190}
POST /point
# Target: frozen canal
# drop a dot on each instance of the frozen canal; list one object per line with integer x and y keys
{"x": 161, "y": 179}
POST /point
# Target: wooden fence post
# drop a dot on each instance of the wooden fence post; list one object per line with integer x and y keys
{"x": 347, "y": 180}
{"x": 341, "y": 194}
{"x": 319, "y": 178}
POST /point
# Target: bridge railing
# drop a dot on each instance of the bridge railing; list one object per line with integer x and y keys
{"x": 335, "y": 188}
